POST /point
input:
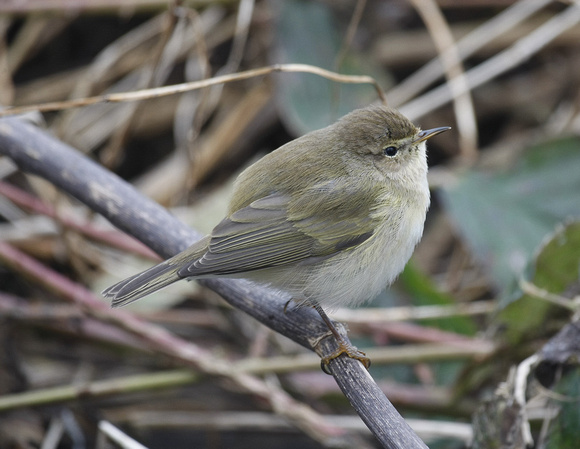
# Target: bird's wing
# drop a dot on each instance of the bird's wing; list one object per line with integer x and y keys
{"x": 278, "y": 230}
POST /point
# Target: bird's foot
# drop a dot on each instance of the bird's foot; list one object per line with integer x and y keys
{"x": 347, "y": 349}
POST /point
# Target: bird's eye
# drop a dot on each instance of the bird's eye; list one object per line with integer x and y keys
{"x": 390, "y": 151}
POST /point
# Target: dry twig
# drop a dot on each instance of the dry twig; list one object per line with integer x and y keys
{"x": 186, "y": 87}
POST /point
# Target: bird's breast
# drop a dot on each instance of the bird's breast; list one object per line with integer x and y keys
{"x": 361, "y": 273}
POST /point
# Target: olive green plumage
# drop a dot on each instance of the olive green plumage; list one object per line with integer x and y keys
{"x": 331, "y": 217}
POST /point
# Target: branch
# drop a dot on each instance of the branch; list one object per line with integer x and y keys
{"x": 36, "y": 152}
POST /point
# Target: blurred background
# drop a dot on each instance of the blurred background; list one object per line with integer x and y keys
{"x": 495, "y": 277}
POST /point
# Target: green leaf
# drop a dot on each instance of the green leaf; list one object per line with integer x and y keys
{"x": 308, "y": 33}
{"x": 556, "y": 270}
{"x": 424, "y": 292}
{"x": 504, "y": 216}
{"x": 565, "y": 428}
{"x": 557, "y": 265}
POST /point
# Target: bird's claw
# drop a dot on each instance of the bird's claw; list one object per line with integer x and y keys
{"x": 348, "y": 350}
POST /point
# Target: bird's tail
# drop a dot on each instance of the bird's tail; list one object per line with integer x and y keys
{"x": 142, "y": 284}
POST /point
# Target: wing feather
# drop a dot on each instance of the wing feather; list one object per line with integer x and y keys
{"x": 277, "y": 230}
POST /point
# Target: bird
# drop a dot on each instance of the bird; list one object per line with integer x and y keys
{"x": 330, "y": 218}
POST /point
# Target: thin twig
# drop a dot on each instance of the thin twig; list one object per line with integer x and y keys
{"x": 498, "y": 64}
{"x": 84, "y": 227}
{"x": 192, "y": 115}
{"x": 268, "y": 422}
{"x": 449, "y": 56}
{"x": 390, "y": 314}
{"x": 153, "y": 74}
{"x": 193, "y": 85}
{"x": 467, "y": 46}
{"x": 520, "y": 387}
{"x": 99, "y": 389}
{"x": 118, "y": 436}
{"x": 532, "y": 289}
{"x": 350, "y": 32}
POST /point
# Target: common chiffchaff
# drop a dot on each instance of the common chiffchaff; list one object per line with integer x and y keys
{"x": 330, "y": 218}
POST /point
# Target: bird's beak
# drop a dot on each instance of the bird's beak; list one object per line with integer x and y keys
{"x": 428, "y": 133}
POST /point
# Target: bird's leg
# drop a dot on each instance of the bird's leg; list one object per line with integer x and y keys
{"x": 344, "y": 346}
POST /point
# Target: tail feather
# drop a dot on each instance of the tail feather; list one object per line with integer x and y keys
{"x": 142, "y": 284}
